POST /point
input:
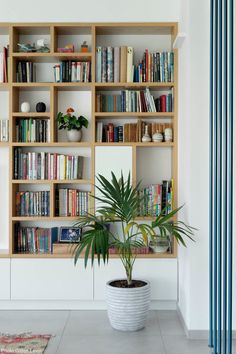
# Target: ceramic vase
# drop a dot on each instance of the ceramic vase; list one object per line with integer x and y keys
{"x": 74, "y": 135}
{"x": 25, "y": 107}
{"x": 146, "y": 137}
{"x": 157, "y": 137}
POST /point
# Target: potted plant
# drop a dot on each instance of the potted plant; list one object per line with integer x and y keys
{"x": 127, "y": 299}
{"x": 72, "y": 124}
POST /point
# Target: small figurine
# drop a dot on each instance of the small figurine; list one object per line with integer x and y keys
{"x": 157, "y": 137}
{"x": 42, "y": 47}
{"x": 27, "y": 48}
{"x": 41, "y": 107}
{"x": 84, "y": 47}
{"x": 25, "y": 107}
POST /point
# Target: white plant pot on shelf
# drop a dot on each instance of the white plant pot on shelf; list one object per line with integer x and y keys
{"x": 74, "y": 135}
{"x": 128, "y": 307}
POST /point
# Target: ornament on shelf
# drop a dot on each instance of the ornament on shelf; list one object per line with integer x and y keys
{"x": 146, "y": 137}
{"x": 168, "y": 134}
{"x": 40, "y": 107}
{"x": 42, "y": 46}
{"x": 26, "y": 48}
{"x": 69, "y": 48}
{"x": 25, "y": 107}
{"x": 84, "y": 47}
{"x": 157, "y": 137}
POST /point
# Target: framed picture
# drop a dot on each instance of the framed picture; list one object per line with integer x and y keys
{"x": 70, "y": 234}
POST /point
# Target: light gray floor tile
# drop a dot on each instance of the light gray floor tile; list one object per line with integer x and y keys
{"x": 120, "y": 344}
{"x": 43, "y": 322}
{"x": 182, "y": 345}
{"x": 169, "y": 323}
{"x": 96, "y": 323}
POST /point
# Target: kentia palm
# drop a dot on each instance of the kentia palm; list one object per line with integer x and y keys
{"x": 118, "y": 203}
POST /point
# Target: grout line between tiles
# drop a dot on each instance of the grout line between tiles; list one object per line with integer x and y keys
{"x": 62, "y": 333}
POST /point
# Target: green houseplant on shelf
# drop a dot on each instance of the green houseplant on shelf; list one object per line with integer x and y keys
{"x": 127, "y": 299}
{"x": 72, "y": 124}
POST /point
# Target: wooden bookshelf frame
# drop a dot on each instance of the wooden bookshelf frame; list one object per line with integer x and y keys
{"x": 94, "y": 29}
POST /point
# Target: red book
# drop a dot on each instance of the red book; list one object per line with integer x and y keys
{"x": 110, "y": 133}
{"x": 163, "y": 103}
{"x": 143, "y": 103}
{"x": 147, "y": 65}
{"x": 55, "y": 166}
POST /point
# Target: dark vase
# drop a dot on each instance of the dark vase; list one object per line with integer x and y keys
{"x": 40, "y": 107}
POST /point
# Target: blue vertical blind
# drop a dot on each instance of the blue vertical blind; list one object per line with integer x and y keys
{"x": 221, "y": 176}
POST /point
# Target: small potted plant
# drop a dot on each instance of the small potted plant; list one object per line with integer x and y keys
{"x": 72, "y": 124}
{"x": 127, "y": 299}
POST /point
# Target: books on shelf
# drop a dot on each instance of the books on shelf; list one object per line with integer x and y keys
{"x": 4, "y": 55}
{"x": 4, "y": 130}
{"x": 127, "y": 101}
{"x": 45, "y": 165}
{"x": 128, "y": 132}
{"x": 164, "y": 103}
{"x": 72, "y": 71}
{"x": 32, "y": 130}
{"x": 72, "y": 202}
{"x": 34, "y": 239}
{"x": 155, "y": 198}
{"x": 33, "y": 203}
{"x": 25, "y": 71}
{"x": 116, "y": 64}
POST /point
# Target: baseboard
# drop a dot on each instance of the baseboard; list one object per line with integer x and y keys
{"x": 73, "y": 305}
{"x": 195, "y": 334}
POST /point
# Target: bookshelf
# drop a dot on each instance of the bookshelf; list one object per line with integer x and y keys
{"x": 56, "y": 93}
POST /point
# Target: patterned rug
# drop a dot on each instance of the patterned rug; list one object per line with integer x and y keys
{"x": 23, "y": 343}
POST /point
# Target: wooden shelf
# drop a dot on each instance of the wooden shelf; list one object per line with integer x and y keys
{"x": 133, "y": 85}
{"x": 45, "y": 218}
{"x": 4, "y": 86}
{"x": 134, "y": 114}
{"x": 70, "y": 86}
{"x": 31, "y": 114}
{"x": 59, "y": 144}
{"x": 4, "y": 144}
{"x": 52, "y": 181}
{"x": 139, "y": 144}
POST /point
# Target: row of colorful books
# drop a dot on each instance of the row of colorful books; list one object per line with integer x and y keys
{"x": 154, "y": 198}
{"x": 164, "y": 103}
{"x": 72, "y": 71}
{"x": 46, "y": 166}
{"x": 155, "y": 67}
{"x": 4, "y": 64}
{"x": 127, "y": 101}
{"x": 34, "y": 239}
{"x": 25, "y": 71}
{"x": 72, "y": 202}
{"x": 33, "y": 203}
{"x": 4, "y": 130}
{"x": 129, "y": 132}
{"x": 116, "y": 64}
{"x": 32, "y": 130}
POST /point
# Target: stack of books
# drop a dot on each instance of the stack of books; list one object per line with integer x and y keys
{"x": 155, "y": 198}
{"x": 33, "y": 203}
{"x": 72, "y": 202}
{"x": 115, "y": 64}
{"x": 25, "y": 71}
{"x": 4, "y": 65}
{"x": 32, "y": 130}
{"x": 34, "y": 239}
{"x": 45, "y": 165}
{"x": 129, "y": 132}
{"x": 127, "y": 101}
{"x": 4, "y": 130}
{"x": 72, "y": 71}
{"x": 164, "y": 103}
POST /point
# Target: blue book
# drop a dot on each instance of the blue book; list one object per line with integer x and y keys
{"x": 116, "y": 134}
{"x": 110, "y": 63}
{"x": 98, "y": 64}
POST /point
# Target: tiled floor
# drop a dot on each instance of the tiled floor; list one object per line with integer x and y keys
{"x": 89, "y": 332}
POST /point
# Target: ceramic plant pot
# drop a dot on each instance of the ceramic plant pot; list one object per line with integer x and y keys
{"x": 128, "y": 307}
{"x": 74, "y": 135}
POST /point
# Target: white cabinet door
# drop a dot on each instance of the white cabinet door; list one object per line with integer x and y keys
{"x": 54, "y": 279}
{"x": 162, "y": 274}
{"x": 5, "y": 279}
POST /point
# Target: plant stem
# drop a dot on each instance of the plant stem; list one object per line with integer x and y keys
{"x": 129, "y": 270}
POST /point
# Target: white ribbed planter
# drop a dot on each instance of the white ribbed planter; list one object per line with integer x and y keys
{"x": 128, "y": 307}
